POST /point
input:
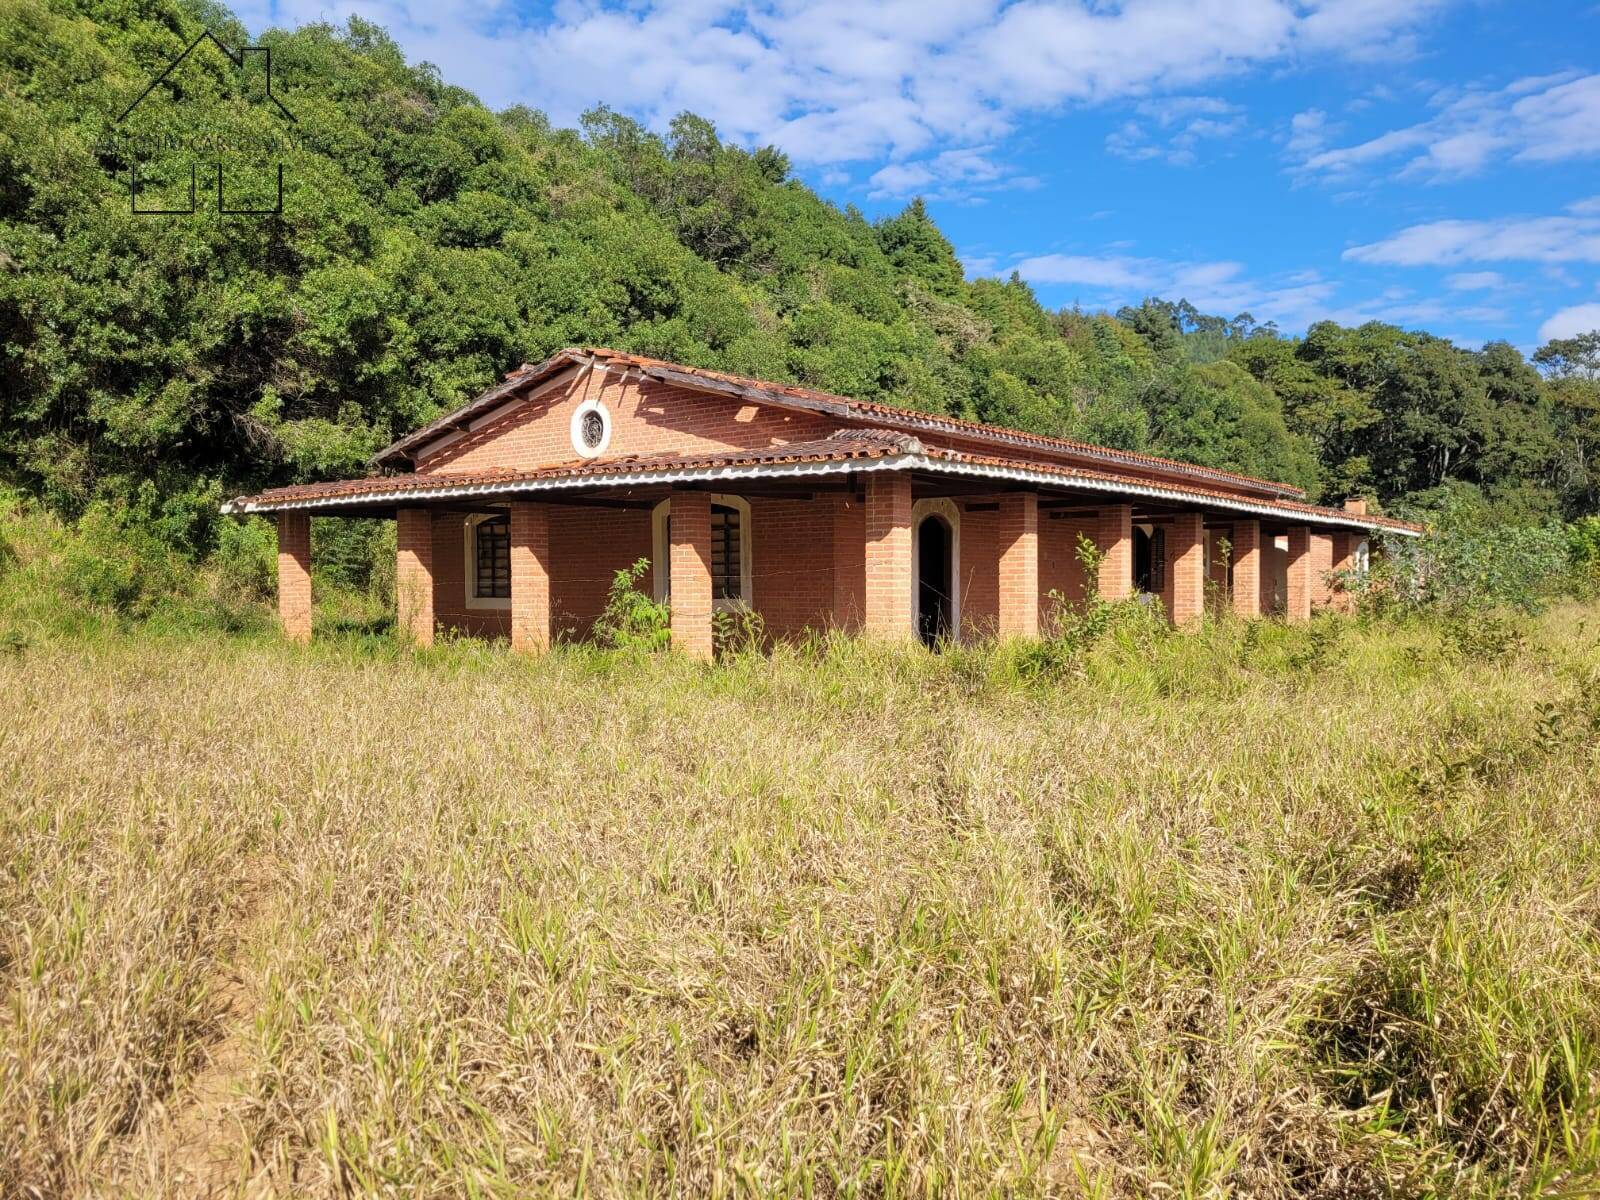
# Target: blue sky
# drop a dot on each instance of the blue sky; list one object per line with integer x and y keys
{"x": 1429, "y": 163}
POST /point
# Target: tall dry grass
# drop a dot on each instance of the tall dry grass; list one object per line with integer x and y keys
{"x": 1260, "y": 912}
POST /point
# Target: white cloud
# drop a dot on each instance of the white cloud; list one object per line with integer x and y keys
{"x": 1197, "y": 117}
{"x": 1569, "y": 322}
{"x": 1549, "y": 118}
{"x": 949, "y": 175}
{"x": 1111, "y": 280}
{"x": 1308, "y": 133}
{"x": 1565, "y": 239}
{"x": 1475, "y": 281}
{"x": 842, "y": 80}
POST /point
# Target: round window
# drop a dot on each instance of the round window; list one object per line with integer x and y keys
{"x": 591, "y": 429}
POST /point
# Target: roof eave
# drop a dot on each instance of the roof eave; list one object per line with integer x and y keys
{"x": 712, "y": 473}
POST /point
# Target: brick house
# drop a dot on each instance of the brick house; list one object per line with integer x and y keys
{"x": 813, "y": 510}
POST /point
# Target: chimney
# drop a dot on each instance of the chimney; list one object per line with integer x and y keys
{"x": 1356, "y": 505}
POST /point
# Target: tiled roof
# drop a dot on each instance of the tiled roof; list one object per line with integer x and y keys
{"x": 840, "y": 406}
{"x": 847, "y": 449}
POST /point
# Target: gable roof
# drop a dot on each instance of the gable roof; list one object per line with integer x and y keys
{"x": 844, "y": 452}
{"x": 807, "y": 399}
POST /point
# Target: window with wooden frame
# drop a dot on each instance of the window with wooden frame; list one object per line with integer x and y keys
{"x": 488, "y": 561}
{"x": 730, "y": 551}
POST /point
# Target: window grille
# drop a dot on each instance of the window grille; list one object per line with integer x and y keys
{"x": 494, "y": 559}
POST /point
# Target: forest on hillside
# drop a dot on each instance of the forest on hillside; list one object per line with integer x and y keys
{"x": 427, "y": 244}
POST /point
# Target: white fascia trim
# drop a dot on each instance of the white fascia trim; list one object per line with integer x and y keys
{"x": 899, "y": 462}
{"x": 1153, "y": 491}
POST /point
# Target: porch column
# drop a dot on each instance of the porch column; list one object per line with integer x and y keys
{"x": 1321, "y": 565}
{"x": 294, "y": 575}
{"x": 690, "y": 572}
{"x": 888, "y": 556}
{"x": 1299, "y": 599}
{"x": 530, "y": 577}
{"x": 413, "y": 574}
{"x": 1018, "y": 536}
{"x": 1114, "y": 538}
{"x": 1343, "y": 548}
{"x": 1186, "y": 563}
{"x": 849, "y": 568}
{"x": 1246, "y": 568}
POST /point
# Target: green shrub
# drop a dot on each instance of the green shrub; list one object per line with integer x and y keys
{"x": 119, "y": 564}
{"x": 1466, "y": 561}
{"x": 632, "y": 620}
{"x": 247, "y": 556}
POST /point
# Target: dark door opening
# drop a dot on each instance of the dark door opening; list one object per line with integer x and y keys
{"x": 935, "y": 585}
{"x": 1149, "y": 560}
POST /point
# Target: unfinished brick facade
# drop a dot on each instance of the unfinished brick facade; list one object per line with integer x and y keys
{"x": 810, "y": 510}
{"x": 294, "y": 575}
{"x": 413, "y": 578}
{"x": 1186, "y": 551}
{"x": 1018, "y": 543}
{"x": 887, "y": 610}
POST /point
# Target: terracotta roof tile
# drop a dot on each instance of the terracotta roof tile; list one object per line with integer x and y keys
{"x": 843, "y": 447}
{"x": 842, "y": 406}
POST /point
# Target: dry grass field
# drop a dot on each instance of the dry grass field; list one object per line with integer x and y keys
{"x": 1257, "y": 912}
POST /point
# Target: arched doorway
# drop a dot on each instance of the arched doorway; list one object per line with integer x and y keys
{"x": 935, "y": 580}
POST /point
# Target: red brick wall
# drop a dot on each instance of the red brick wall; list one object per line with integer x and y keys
{"x": 889, "y": 567}
{"x": 980, "y": 567}
{"x": 1247, "y": 563}
{"x": 791, "y": 555}
{"x": 646, "y": 418}
{"x": 1298, "y": 607}
{"x": 1114, "y": 536}
{"x": 294, "y": 575}
{"x": 849, "y": 565}
{"x": 413, "y": 580}
{"x": 1059, "y": 567}
{"x": 530, "y": 576}
{"x": 1186, "y": 567}
{"x": 1321, "y": 565}
{"x": 1018, "y": 530}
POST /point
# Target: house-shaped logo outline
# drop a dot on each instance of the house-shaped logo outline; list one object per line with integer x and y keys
{"x": 238, "y": 60}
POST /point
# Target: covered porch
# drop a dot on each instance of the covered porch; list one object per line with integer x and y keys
{"x": 896, "y": 544}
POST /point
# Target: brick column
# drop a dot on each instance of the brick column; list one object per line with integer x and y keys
{"x": 413, "y": 574}
{"x": 849, "y": 567}
{"x": 1018, "y": 535}
{"x": 1246, "y": 568}
{"x": 294, "y": 575}
{"x": 690, "y": 572}
{"x": 530, "y": 577}
{"x": 887, "y": 608}
{"x": 1114, "y": 538}
{"x": 1321, "y": 564}
{"x": 1299, "y": 599}
{"x": 1343, "y": 560}
{"x": 1186, "y": 567}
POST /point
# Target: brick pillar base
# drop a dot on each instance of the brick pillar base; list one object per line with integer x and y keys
{"x": 1342, "y": 599}
{"x": 413, "y": 575}
{"x": 690, "y": 573}
{"x": 1018, "y": 535}
{"x": 1186, "y": 567}
{"x": 1246, "y": 555}
{"x": 530, "y": 577}
{"x": 1114, "y": 538}
{"x": 888, "y": 556}
{"x": 294, "y": 575}
{"x": 1299, "y": 600}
